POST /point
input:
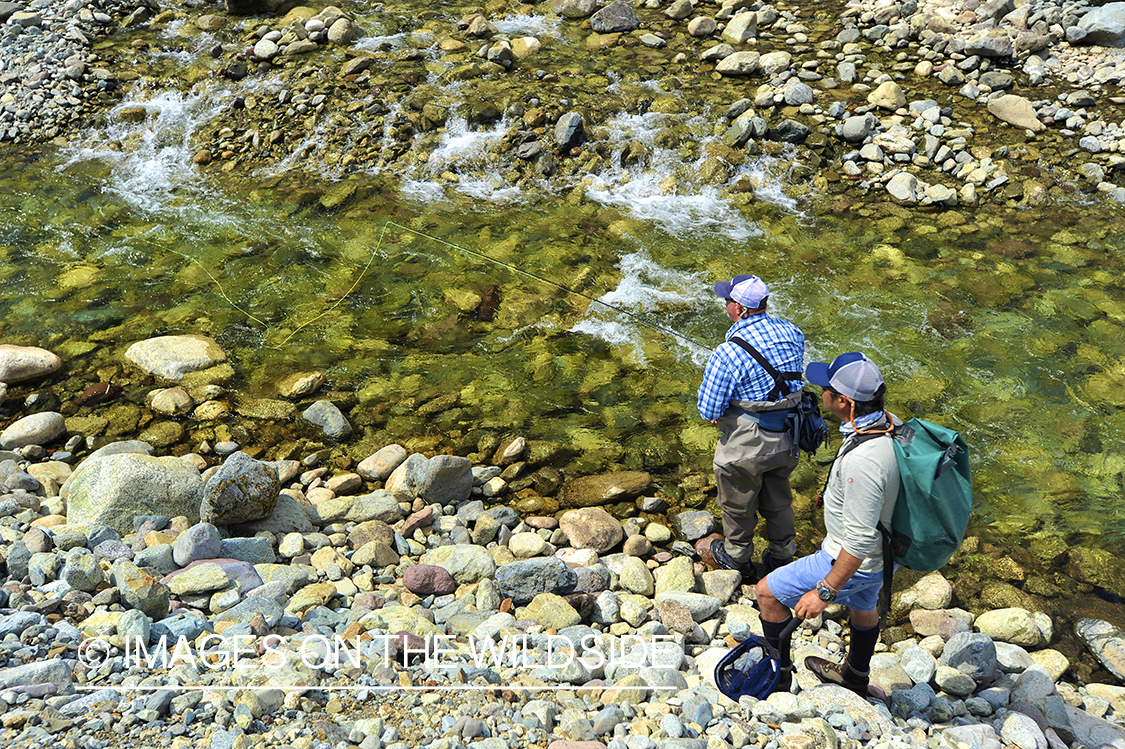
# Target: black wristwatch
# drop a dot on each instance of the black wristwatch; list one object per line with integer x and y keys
{"x": 825, "y": 593}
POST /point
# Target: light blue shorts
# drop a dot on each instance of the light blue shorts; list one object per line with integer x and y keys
{"x": 792, "y": 581}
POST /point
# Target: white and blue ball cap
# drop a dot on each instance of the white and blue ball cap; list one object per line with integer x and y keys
{"x": 851, "y": 374}
{"x": 749, "y": 291}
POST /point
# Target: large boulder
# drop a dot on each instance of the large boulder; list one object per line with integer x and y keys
{"x": 1106, "y": 642}
{"x": 1104, "y": 25}
{"x": 112, "y": 489}
{"x": 26, "y": 363}
{"x": 242, "y": 490}
{"x": 173, "y": 356}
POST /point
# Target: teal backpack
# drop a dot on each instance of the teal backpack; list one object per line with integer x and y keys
{"x": 935, "y": 498}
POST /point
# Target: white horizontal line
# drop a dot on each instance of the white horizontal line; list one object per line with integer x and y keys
{"x": 465, "y": 688}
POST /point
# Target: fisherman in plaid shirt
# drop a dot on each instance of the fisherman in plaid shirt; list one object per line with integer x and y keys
{"x": 755, "y": 455}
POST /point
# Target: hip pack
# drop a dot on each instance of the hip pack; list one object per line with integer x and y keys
{"x": 806, "y": 427}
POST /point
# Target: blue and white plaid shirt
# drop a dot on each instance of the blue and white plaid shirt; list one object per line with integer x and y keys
{"x": 733, "y": 374}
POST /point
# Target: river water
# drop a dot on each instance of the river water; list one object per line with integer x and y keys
{"x": 1006, "y": 325}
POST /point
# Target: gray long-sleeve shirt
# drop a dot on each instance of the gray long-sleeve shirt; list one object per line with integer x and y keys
{"x": 862, "y": 491}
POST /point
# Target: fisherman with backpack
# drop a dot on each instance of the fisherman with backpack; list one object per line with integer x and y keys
{"x": 860, "y": 495}
{"x": 752, "y": 390}
{"x": 896, "y": 494}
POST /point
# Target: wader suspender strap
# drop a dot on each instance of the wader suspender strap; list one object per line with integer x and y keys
{"x": 888, "y": 550}
{"x": 780, "y": 386}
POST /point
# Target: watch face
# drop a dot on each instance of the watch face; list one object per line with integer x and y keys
{"x": 824, "y": 593}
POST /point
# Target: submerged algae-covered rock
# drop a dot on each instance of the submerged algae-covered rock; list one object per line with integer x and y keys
{"x": 1097, "y": 567}
{"x": 1108, "y": 386}
{"x": 591, "y": 491}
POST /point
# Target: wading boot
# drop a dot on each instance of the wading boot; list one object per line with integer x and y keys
{"x": 840, "y": 674}
{"x": 724, "y": 561}
{"x": 770, "y": 563}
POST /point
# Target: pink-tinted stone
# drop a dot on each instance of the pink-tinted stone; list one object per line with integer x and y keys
{"x": 428, "y": 580}
{"x": 417, "y": 520}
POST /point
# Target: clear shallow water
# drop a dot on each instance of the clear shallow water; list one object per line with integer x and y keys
{"x": 1008, "y": 340}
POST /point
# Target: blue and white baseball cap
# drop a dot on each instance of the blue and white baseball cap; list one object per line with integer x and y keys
{"x": 749, "y": 291}
{"x": 851, "y": 374}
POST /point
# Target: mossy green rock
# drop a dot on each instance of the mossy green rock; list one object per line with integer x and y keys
{"x": 112, "y": 489}
{"x": 1004, "y": 596}
{"x": 592, "y": 491}
{"x": 1097, "y": 567}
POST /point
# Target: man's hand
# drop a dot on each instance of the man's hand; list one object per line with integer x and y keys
{"x": 810, "y": 605}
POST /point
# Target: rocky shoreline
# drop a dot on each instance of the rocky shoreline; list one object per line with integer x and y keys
{"x": 250, "y": 570}
{"x": 934, "y": 103}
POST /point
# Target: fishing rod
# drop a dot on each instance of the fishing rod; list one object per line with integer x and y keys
{"x": 468, "y": 251}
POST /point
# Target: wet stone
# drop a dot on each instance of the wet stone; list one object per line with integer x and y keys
{"x": 329, "y": 419}
{"x": 693, "y": 524}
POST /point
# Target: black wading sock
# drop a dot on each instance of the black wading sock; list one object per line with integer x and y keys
{"x": 862, "y": 647}
{"x": 771, "y": 632}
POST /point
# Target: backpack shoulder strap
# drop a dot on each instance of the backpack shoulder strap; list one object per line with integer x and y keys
{"x": 846, "y": 448}
{"x": 780, "y": 386}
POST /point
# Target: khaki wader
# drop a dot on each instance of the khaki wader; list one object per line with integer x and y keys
{"x": 752, "y": 468}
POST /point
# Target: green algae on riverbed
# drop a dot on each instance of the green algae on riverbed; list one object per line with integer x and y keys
{"x": 1006, "y": 326}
